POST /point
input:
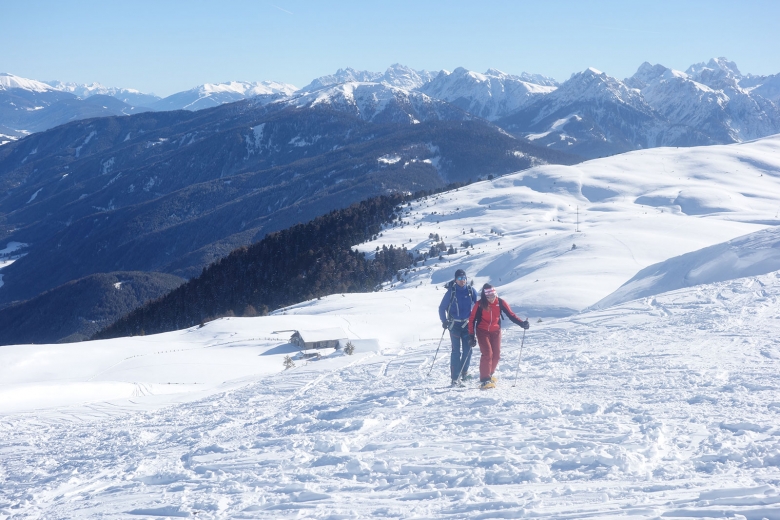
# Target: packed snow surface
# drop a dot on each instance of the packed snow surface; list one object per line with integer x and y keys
{"x": 661, "y": 407}
{"x": 617, "y": 413}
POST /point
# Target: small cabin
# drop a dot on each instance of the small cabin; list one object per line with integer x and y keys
{"x": 322, "y": 338}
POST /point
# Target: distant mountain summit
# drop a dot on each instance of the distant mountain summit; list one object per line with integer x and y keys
{"x": 10, "y": 81}
{"x": 396, "y": 75}
{"x": 591, "y": 114}
{"x": 214, "y": 94}
{"x": 130, "y": 96}
{"x": 708, "y": 99}
{"x": 491, "y": 95}
{"x": 379, "y": 103}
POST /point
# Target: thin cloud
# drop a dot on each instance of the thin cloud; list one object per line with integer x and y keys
{"x": 284, "y": 10}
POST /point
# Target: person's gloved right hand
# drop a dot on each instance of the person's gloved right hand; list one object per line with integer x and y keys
{"x": 472, "y": 341}
{"x": 445, "y": 325}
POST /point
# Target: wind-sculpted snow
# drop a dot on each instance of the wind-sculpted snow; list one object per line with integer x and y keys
{"x": 617, "y": 413}
{"x": 754, "y": 254}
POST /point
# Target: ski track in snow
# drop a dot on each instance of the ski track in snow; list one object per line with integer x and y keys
{"x": 666, "y": 406}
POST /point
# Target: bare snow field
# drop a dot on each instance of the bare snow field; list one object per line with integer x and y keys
{"x": 665, "y": 406}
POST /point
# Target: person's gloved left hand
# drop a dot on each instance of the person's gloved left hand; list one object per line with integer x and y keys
{"x": 472, "y": 341}
{"x": 525, "y": 324}
{"x": 445, "y": 325}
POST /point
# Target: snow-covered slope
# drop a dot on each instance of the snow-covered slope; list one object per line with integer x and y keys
{"x": 378, "y": 102}
{"x": 750, "y": 255}
{"x": 622, "y": 412}
{"x": 214, "y": 94}
{"x": 491, "y": 95}
{"x": 618, "y": 413}
{"x": 396, "y": 75}
{"x": 9, "y": 81}
{"x": 769, "y": 88}
{"x": 635, "y": 210}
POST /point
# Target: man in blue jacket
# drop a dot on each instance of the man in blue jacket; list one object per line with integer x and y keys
{"x": 454, "y": 312}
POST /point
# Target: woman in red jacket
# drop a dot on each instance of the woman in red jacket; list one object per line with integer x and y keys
{"x": 485, "y": 323}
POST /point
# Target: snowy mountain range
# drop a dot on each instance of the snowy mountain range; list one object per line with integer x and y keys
{"x": 378, "y": 103}
{"x": 130, "y": 96}
{"x": 591, "y": 114}
{"x": 664, "y": 406}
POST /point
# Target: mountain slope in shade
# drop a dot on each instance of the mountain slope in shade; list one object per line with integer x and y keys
{"x": 174, "y": 191}
{"x": 769, "y": 88}
{"x": 78, "y": 309}
{"x": 491, "y": 95}
{"x": 591, "y": 114}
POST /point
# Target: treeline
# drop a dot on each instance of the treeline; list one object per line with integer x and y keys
{"x": 297, "y": 264}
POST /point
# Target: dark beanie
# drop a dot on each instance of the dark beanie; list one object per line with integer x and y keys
{"x": 460, "y": 272}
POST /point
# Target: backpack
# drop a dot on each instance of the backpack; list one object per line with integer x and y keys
{"x": 452, "y": 286}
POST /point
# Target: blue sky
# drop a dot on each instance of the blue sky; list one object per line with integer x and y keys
{"x": 168, "y": 46}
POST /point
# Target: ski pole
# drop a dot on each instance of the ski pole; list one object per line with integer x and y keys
{"x": 437, "y": 351}
{"x": 518, "y": 359}
{"x": 465, "y": 360}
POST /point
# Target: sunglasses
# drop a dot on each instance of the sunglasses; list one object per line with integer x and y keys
{"x": 461, "y": 278}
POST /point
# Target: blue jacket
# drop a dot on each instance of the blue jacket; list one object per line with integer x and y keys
{"x": 457, "y": 302}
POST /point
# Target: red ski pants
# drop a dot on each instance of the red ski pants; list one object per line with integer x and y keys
{"x": 490, "y": 347}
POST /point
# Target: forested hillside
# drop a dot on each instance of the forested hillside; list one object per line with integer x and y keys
{"x": 299, "y": 263}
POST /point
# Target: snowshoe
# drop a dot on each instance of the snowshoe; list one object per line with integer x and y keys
{"x": 493, "y": 379}
{"x": 487, "y": 385}
{"x": 456, "y": 383}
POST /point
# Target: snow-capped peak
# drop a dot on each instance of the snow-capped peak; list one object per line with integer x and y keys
{"x": 396, "y": 75}
{"x": 247, "y": 89}
{"x": 724, "y": 65}
{"x": 9, "y": 81}
{"x": 92, "y": 89}
{"x": 378, "y": 102}
{"x": 592, "y": 84}
{"x": 491, "y": 95}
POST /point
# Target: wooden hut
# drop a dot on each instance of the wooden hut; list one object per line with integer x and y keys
{"x": 322, "y": 338}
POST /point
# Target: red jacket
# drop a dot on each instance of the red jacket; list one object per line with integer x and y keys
{"x": 490, "y": 318}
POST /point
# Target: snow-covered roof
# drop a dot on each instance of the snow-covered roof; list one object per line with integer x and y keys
{"x": 312, "y": 336}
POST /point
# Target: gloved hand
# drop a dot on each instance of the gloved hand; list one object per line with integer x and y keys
{"x": 525, "y": 324}
{"x": 472, "y": 341}
{"x": 445, "y": 325}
